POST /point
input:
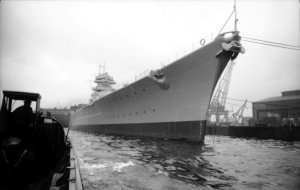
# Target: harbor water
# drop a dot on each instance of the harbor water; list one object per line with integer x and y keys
{"x": 114, "y": 162}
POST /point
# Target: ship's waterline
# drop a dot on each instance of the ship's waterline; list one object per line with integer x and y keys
{"x": 192, "y": 130}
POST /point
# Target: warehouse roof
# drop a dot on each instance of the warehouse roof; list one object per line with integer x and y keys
{"x": 279, "y": 98}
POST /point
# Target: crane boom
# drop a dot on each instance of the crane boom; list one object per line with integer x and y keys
{"x": 238, "y": 116}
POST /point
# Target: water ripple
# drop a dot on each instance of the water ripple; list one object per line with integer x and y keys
{"x": 114, "y": 162}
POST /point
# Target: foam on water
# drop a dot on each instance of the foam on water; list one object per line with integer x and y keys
{"x": 109, "y": 162}
{"x": 115, "y": 166}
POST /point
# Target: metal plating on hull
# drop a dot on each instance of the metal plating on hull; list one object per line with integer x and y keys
{"x": 170, "y": 130}
{"x": 170, "y": 103}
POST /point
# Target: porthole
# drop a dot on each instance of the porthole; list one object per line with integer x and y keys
{"x": 144, "y": 89}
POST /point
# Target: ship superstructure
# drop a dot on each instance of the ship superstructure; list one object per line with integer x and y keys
{"x": 104, "y": 84}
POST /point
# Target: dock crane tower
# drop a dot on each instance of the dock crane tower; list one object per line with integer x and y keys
{"x": 217, "y": 105}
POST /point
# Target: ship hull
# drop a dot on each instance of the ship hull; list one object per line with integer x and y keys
{"x": 173, "y": 105}
{"x": 191, "y": 130}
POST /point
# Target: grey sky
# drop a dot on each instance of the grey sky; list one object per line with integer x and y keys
{"x": 55, "y": 47}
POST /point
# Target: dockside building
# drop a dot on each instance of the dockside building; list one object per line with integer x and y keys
{"x": 278, "y": 111}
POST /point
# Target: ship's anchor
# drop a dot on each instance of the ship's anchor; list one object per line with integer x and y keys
{"x": 234, "y": 46}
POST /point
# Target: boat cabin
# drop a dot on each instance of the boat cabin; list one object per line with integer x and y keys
{"x": 33, "y": 147}
{"x": 12, "y": 100}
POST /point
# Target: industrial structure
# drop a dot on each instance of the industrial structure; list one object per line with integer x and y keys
{"x": 278, "y": 111}
{"x": 237, "y": 117}
{"x": 61, "y": 115}
{"x": 216, "y": 113}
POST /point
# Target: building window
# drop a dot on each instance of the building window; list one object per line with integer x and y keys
{"x": 272, "y": 114}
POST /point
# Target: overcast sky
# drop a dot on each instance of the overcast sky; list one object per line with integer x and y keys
{"x": 55, "y": 47}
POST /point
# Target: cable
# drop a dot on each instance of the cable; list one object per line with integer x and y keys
{"x": 226, "y": 21}
{"x": 270, "y": 42}
{"x": 233, "y": 104}
{"x": 298, "y": 49}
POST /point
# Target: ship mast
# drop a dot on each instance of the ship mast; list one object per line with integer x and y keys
{"x": 235, "y": 16}
{"x": 103, "y": 69}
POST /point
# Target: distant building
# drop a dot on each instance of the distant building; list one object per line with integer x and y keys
{"x": 278, "y": 111}
{"x": 77, "y": 107}
{"x": 61, "y": 115}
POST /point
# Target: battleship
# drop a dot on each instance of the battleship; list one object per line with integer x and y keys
{"x": 170, "y": 102}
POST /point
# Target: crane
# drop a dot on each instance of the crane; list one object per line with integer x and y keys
{"x": 238, "y": 116}
{"x": 217, "y": 105}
